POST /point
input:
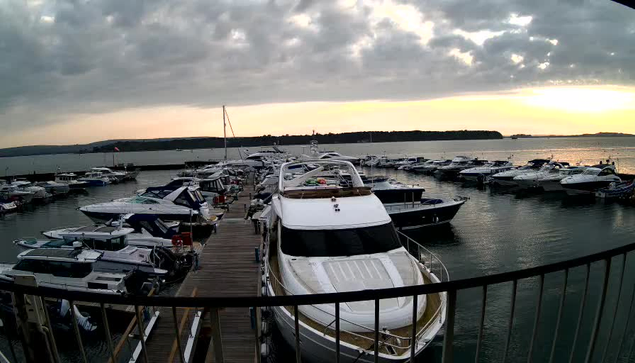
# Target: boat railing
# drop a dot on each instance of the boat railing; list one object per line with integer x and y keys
{"x": 590, "y": 316}
{"x": 277, "y": 285}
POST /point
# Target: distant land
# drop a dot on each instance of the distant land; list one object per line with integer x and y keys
{"x": 265, "y": 140}
{"x": 599, "y": 134}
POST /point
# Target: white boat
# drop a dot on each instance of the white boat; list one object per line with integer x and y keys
{"x": 115, "y": 257}
{"x": 530, "y": 180}
{"x": 7, "y": 207}
{"x": 457, "y": 165}
{"x": 352, "y": 246}
{"x": 39, "y": 193}
{"x": 95, "y": 178}
{"x": 71, "y": 270}
{"x": 427, "y": 212}
{"x": 506, "y": 178}
{"x": 407, "y": 163}
{"x": 551, "y": 182}
{"x": 592, "y": 179}
{"x": 136, "y": 230}
{"x": 114, "y": 176}
{"x": 185, "y": 203}
{"x": 430, "y": 166}
{"x": 54, "y": 188}
{"x": 12, "y": 193}
{"x": 483, "y": 172}
{"x": 70, "y": 179}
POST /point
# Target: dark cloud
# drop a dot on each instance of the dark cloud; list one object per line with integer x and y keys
{"x": 63, "y": 57}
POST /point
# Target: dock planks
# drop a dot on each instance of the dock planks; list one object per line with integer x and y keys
{"x": 227, "y": 268}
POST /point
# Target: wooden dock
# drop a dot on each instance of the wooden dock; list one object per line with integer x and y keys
{"x": 227, "y": 267}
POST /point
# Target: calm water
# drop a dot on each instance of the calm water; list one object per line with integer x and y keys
{"x": 585, "y": 150}
{"x": 494, "y": 232}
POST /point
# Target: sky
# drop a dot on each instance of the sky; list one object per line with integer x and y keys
{"x": 88, "y": 70}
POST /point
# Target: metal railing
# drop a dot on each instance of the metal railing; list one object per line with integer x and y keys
{"x": 604, "y": 326}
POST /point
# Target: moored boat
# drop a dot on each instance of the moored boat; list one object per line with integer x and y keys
{"x": 352, "y": 246}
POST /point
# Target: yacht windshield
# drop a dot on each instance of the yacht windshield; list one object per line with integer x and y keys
{"x": 339, "y": 242}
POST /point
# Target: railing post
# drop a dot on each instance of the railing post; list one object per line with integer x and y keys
{"x": 337, "y": 332}
{"x": 376, "y": 339}
{"x": 413, "y": 339}
{"x": 481, "y": 325}
{"x": 142, "y": 333}
{"x": 177, "y": 333}
{"x": 617, "y": 305}
{"x": 50, "y": 334}
{"x": 600, "y": 310}
{"x": 560, "y": 309}
{"x": 581, "y": 314}
{"x": 511, "y": 320}
{"x": 628, "y": 319}
{"x": 217, "y": 340}
{"x": 104, "y": 320}
{"x": 536, "y": 319}
{"x": 448, "y": 341}
{"x": 298, "y": 349}
{"x": 78, "y": 336}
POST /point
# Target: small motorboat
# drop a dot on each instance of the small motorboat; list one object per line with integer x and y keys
{"x": 392, "y": 191}
{"x": 506, "y": 178}
{"x": 591, "y": 180}
{"x": 70, "y": 179}
{"x": 551, "y": 181}
{"x": 481, "y": 173}
{"x": 530, "y": 180}
{"x": 428, "y": 212}
{"x": 95, "y": 178}
{"x": 73, "y": 270}
{"x": 54, "y": 188}
{"x": 457, "y": 165}
{"x": 7, "y": 207}
{"x": 617, "y": 190}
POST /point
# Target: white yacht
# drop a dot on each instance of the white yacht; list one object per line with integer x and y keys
{"x": 530, "y": 180}
{"x": 95, "y": 178}
{"x": 14, "y": 194}
{"x": 70, "y": 269}
{"x": 592, "y": 179}
{"x": 54, "y": 188}
{"x": 70, "y": 179}
{"x": 506, "y": 178}
{"x": 114, "y": 176}
{"x": 116, "y": 256}
{"x": 352, "y": 246}
{"x": 482, "y": 172}
{"x": 185, "y": 203}
{"x": 39, "y": 193}
{"x": 551, "y": 181}
{"x": 136, "y": 230}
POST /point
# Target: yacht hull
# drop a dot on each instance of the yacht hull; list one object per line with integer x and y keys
{"x": 406, "y": 217}
{"x": 585, "y": 188}
{"x": 318, "y": 347}
{"x": 551, "y": 185}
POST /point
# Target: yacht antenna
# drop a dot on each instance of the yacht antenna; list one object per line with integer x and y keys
{"x": 225, "y": 132}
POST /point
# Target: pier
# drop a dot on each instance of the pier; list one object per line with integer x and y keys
{"x": 227, "y": 268}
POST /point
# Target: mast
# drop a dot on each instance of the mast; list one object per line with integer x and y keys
{"x": 225, "y": 132}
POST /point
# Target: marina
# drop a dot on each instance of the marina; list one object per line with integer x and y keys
{"x": 231, "y": 260}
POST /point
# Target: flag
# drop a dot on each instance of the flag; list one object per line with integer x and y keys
{"x": 116, "y": 149}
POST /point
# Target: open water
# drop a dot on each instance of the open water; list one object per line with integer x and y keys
{"x": 495, "y": 231}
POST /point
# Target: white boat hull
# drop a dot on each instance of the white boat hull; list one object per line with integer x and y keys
{"x": 319, "y": 347}
{"x": 551, "y": 186}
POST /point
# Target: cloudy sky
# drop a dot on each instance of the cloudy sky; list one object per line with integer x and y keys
{"x": 75, "y": 71}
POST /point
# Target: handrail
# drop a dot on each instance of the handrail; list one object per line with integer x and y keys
{"x": 328, "y": 298}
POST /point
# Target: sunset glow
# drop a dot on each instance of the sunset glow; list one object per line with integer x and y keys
{"x": 535, "y": 111}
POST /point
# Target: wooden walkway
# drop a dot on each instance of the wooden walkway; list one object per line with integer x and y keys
{"x": 227, "y": 267}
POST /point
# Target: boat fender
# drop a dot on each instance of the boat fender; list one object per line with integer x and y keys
{"x": 264, "y": 350}
{"x": 264, "y": 328}
{"x": 435, "y": 219}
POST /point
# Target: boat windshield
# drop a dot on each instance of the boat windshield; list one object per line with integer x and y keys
{"x": 142, "y": 200}
{"x": 55, "y": 268}
{"x": 339, "y": 242}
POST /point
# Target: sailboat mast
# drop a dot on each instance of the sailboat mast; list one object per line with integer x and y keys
{"x": 225, "y": 132}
